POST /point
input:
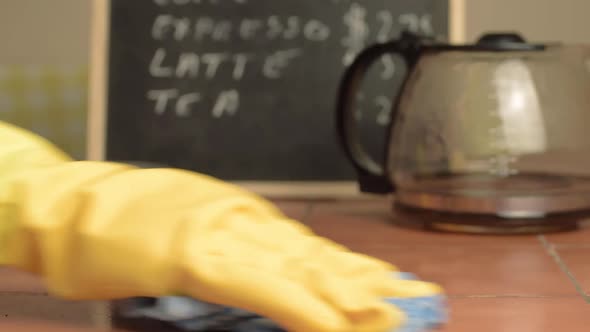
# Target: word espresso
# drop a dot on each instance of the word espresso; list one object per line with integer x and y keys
{"x": 167, "y": 26}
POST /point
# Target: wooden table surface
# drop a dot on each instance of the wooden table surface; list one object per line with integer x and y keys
{"x": 522, "y": 283}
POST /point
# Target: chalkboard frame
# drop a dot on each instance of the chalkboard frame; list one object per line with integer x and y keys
{"x": 98, "y": 99}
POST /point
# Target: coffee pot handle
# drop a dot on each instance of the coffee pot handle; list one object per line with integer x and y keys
{"x": 372, "y": 176}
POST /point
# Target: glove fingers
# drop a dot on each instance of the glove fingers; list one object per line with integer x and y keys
{"x": 288, "y": 303}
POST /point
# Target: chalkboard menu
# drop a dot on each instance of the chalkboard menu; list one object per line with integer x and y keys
{"x": 246, "y": 89}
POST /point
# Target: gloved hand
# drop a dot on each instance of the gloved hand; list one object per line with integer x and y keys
{"x": 98, "y": 230}
{"x": 191, "y": 315}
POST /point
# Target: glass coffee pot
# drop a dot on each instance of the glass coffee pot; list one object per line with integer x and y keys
{"x": 500, "y": 127}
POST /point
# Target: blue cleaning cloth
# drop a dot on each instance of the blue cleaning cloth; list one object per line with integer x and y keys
{"x": 191, "y": 315}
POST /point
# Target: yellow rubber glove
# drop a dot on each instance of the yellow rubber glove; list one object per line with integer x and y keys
{"x": 98, "y": 230}
{"x": 21, "y": 150}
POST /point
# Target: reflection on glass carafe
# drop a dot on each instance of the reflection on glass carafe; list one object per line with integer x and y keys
{"x": 495, "y": 128}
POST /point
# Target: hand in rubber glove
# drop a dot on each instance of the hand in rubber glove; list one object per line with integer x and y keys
{"x": 103, "y": 231}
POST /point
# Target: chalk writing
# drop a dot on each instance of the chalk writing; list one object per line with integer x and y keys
{"x": 388, "y": 71}
{"x": 222, "y": 31}
{"x": 241, "y": 60}
{"x": 248, "y": 28}
{"x": 188, "y": 65}
{"x": 361, "y": 23}
{"x": 207, "y": 65}
{"x": 204, "y": 26}
{"x": 386, "y": 21}
{"x": 416, "y": 23}
{"x": 226, "y": 103}
{"x": 161, "y": 98}
{"x": 156, "y": 69}
{"x": 383, "y": 104}
{"x": 183, "y": 105}
{"x": 315, "y": 30}
{"x": 358, "y": 32}
{"x": 168, "y": 26}
{"x": 293, "y": 28}
{"x": 277, "y": 61}
{"x": 275, "y": 27}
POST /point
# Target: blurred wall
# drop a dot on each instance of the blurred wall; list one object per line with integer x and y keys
{"x": 44, "y": 32}
{"x": 43, "y": 69}
{"x": 540, "y": 20}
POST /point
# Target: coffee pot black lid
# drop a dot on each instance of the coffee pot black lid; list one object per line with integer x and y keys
{"x": 510, "y": 41}
{"x": 489, "y": 42}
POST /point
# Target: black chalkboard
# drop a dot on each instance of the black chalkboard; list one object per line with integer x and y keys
{"x": 245, "y": 89}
